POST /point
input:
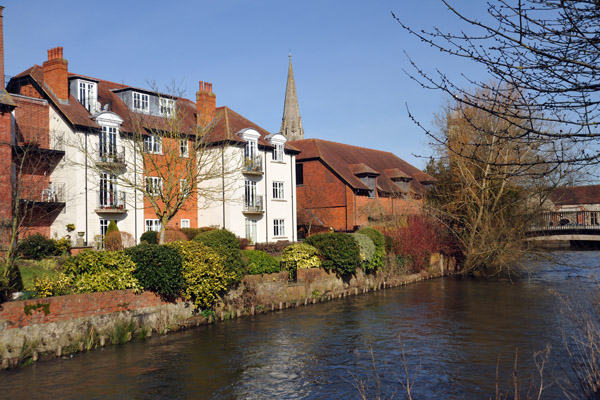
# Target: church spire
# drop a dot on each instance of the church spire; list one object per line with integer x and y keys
{"x": 291, "y": 124}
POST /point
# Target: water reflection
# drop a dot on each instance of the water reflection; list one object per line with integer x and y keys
{"x": 453, "y": 332}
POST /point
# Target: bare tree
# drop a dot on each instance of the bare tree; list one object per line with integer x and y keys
{"x": 490, "y": 185}
{"x": 542, "y": 56}
{"x": 34, "y": 201}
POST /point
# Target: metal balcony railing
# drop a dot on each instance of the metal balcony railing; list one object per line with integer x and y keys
{"x": 53, "y": 193}
{"x": 111, "y": 201}
{"x": 253, "y": 203}
{"x": 253, "y": 165}
{"x": 112, "y": 155}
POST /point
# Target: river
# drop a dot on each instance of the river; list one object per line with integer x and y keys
{"x": 454, "y": 334}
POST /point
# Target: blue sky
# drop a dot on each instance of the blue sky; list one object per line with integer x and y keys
{"x": 348, "y": 57}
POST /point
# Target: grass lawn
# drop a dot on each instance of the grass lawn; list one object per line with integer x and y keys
{"x": 29, "y": 271}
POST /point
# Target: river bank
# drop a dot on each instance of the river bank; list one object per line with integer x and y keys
{"x": 56, "y": 327}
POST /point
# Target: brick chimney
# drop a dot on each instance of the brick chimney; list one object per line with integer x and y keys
{"x": 1, "y": 50}
{"x": 56, "y": 73}
{"x": 206, "y": 104}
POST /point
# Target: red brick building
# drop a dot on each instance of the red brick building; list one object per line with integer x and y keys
{"x": 342, "y": 187}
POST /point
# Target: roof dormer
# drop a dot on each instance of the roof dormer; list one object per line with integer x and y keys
{"x": 85, "y": 91}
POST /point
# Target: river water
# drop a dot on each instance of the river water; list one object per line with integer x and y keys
{"x": 454, "y": 334}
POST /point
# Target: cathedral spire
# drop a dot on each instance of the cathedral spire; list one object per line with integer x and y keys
{"x": 291, "y": 123}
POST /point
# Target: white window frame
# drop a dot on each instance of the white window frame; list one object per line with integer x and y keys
{"x": 278, "y": 152}
{"x": 104, "y": 226}
{"x": 152, "y": 144}
{"x": 87, "y": 94}
{"x": 185, "y": 223}
{"x": 252, "y": 230}
{"x": 152, "y": 225}
{"x": 184, "y": 186}
{"x": 251, "y": 149}
{"x": 154, "y": 185}
{"x": 166, "y": 106}
{"x": 279, "y": 227}
{"x": 278, "y": 192}
{"x": 108, "y": 141}
{"x": 141, "y": 102}
{"x": 250, "y": 193}
{"x": 184, "y": 147}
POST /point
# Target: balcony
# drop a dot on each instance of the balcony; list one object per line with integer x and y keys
{"x": 49, "y": 197}
{"x": 110, "y": 202}
{"x": 112, "y": 157}
{"x": 253, "y": 166}
{"x": 253, "y": 205}
{"x": 49, "y": 146}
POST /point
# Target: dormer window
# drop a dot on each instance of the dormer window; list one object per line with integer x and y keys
{"x": 166, "y": 107}
{"x": 87, "y": 94}
{"x": 370, "y": 182}
{"x": 141, "y": 102}
{"x": 278, "y": 152}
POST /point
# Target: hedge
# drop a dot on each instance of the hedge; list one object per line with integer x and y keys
{"x": 340, "y": 250}
{"x": 303, "y": 254}
{"x": 258, "y": 262}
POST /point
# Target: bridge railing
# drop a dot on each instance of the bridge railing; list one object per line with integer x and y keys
{"x": 566, "y": 220}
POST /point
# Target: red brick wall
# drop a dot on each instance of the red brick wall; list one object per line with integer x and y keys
{"x": 33, "y": 121}
{"x": 323, "y": 194}
{"x": 18, "y": 314}
{"x": 56, "y": 73}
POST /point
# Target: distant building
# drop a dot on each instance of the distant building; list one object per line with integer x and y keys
{"x": 576, "y": 205}
{"x": 342, "y": 187}
{"x": 291, "y": 123}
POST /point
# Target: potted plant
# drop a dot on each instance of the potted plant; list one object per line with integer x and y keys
{"x": 70, "y": 227}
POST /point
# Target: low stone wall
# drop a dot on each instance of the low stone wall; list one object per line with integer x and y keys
{"x": 57, "y": 326}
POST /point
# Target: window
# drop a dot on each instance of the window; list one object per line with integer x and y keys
{"x": 104, "y": 226}
{"x": 153, "y": 144}
{"x": 278, "y": 227}
{"x": 370, "y": 182}
{"x": 594, "y": 218}
{"x": 166, "y": 106}
{"x": 108, "y": 190}
{"x": 299, "y": 174}
{"x": 108, "y": 142}
{"x": 184, "y": 148}
{"x": 152, "y": 225}
{"x": 251, "y": 149}
{"x": 278, "y": 152}
{"x": 278, "y": 190}
{"x": 185, "y": 223}
{"x": 251, "y": 232}
{"x": 250, "y": 197}
{"x": 154, "y": 185}
{"x": 184, "y": 187}
{"x": 87, "y": 94}
{"x": 141, "y": 102}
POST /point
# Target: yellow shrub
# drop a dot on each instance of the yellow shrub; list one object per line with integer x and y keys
{"x": 204, "y": 273}
{"x": 57, "y": 285}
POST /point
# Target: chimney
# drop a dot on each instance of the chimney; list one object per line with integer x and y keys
{"x": 206, "y": 104}
{"x": 56, "y": 73}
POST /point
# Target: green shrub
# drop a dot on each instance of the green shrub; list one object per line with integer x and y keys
{"x": 62, "y": 246}
{"x": 379, "y": 240}
{"x": 112, "y": 227}
{"x": 36, "y": 247}
{"x": 367, "y": 251}
{"x": 100, "y": 271}
{"x": 303, "y": 254}
{"x": 259, "y": 262}
{"x": 218, "y": 237}
{"x": 149, "y": 237}
{"x": 54, "y": 285}
{"x": 228, "y": 246}
{"x": 340, "y": 250}
{"x": 158, "y": 269}
{"x": 203, "y": 272}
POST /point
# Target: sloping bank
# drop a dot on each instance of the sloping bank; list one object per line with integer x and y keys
{"x": 59, "y": 326}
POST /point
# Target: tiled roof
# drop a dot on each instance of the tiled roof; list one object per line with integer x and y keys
{"x": 224, "y": 127}
{"x": 576, "y": 195}
{"x": 343, "y": 160}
